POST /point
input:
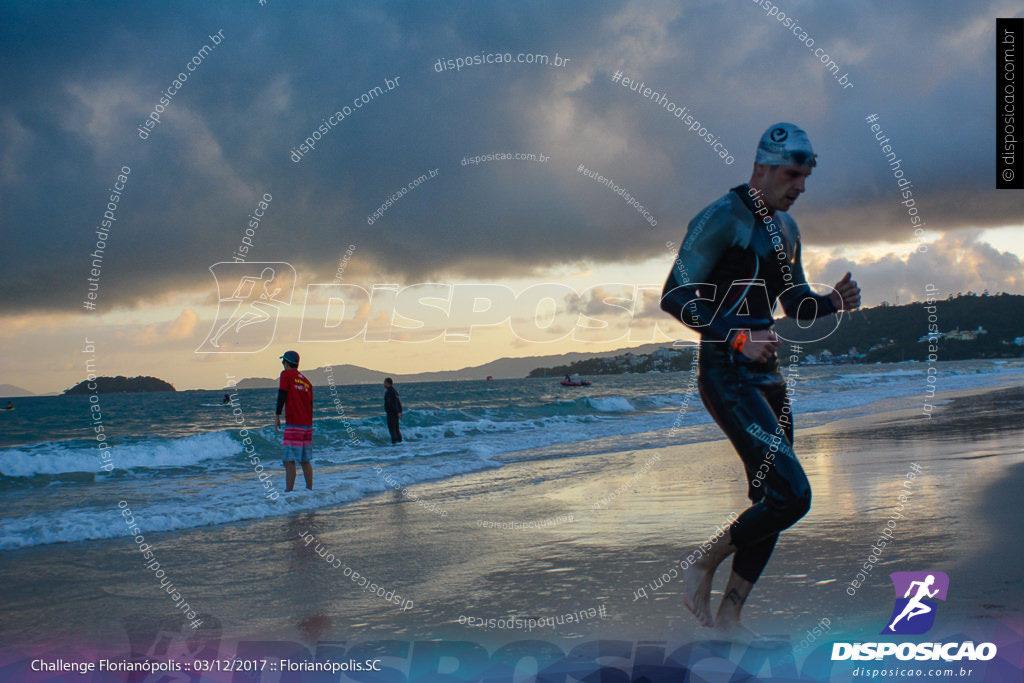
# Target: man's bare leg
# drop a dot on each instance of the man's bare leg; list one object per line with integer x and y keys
{"x": 289, "y": 475}
{"x": 307, "y": 472}
{"x": 727, "y": 622}
{"x": 697, "y": 579}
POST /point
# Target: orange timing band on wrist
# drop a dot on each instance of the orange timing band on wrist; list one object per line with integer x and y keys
{"x": 741, "y": 338}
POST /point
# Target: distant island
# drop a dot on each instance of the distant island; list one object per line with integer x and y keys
{"x": 503, "y": 368}
{"x": 119, "y": 384}
{"x": 967, "y": 326}
{"x": 665, "y": 359}
{"x": 11, "y": 391}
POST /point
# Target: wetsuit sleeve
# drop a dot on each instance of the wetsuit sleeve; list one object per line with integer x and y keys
{"x": 282, "y": 391}
{"x": 282, "y": 396}
{"x": 800, "y": 292}
{"x": 706, "y": 241}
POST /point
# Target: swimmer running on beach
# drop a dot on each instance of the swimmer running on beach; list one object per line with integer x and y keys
{"x": 740, "y": 254}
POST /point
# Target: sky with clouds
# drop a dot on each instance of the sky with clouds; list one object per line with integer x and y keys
{"x": 79, "y": 79}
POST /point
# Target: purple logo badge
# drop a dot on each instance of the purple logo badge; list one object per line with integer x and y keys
{"x": 916, "y": 592}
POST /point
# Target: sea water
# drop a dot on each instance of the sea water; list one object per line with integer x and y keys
{"x": 180, "y": 464}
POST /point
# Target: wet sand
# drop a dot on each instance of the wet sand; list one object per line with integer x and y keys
{"x": 260, "y": 580}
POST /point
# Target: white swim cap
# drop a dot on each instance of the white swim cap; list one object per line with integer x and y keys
{"x": 785, "y": 144}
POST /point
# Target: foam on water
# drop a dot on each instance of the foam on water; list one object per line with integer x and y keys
{"x": 61, "y": 458}
{"x": 172, "y": 506}
{"x": 611, "y": 404}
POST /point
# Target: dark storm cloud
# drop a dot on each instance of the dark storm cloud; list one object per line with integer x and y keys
{"x": 79, "y": 79}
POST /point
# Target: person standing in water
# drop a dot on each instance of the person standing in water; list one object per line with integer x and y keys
{"x": 295, "y": 397}
{"x": 393, "y": 409}
{"x": 739, "y": 256}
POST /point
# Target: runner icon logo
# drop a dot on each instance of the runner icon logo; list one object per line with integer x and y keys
{"x": 250, "y": 297}
{"x": 916, "y": 592}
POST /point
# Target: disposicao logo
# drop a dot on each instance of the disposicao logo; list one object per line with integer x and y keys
{"x": 250, "y": 296}
{"x": 914, "y": 614}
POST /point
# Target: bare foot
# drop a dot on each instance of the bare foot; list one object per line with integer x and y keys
{"x": 735, "y": 632}
{"x": 697, "y": 591}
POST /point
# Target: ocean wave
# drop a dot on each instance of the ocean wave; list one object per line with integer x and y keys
{"x": 62, "y": 458}
{"x": 610, "y": 404}
{"x": 202, "y": 479}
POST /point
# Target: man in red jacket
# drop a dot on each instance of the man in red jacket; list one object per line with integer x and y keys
{"x": 295, "y": 396}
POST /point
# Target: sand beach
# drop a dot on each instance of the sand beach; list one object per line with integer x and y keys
{"x": 520, "y": 549}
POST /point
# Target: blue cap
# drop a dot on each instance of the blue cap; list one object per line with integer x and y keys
{"x": 785, "y": 144}
{"x": 292, "y": 357}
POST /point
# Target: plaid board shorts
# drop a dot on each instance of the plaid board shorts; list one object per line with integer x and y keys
{"x": 298, "y": 444}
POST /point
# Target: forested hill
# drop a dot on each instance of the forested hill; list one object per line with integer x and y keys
{"x": 881, "y": 334}
{"x": 113, "y": 385}
{"x": 890, "y": 333}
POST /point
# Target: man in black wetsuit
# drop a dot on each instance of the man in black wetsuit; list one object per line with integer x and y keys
{"x": 393, "y": 409}
{"x": 740, "y": 255}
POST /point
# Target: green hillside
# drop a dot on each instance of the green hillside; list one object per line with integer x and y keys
{"x": 894, "y": 330}
{"x": 880, "y": 334}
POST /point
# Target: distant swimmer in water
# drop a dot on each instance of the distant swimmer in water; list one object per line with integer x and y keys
{"x": 740, "y": 255}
